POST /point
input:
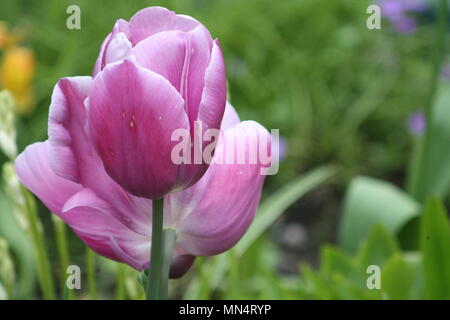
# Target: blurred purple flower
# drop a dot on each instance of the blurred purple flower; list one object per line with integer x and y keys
{"x": 282, "y": 147}
{"x": 396, "y": 11}
{"x": 445, "y": 72}
{"x": 416, "y": 122}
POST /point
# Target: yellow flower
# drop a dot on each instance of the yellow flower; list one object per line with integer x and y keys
{"x": 16, "y": 75}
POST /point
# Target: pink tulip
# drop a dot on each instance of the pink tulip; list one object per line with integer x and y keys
{"x": 67, "y": 174}
{"x": 156, "y": 73}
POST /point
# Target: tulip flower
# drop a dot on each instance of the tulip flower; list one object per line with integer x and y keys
{"x": 208, "y": 218}
{"x": 110, "y": 145}
{"x": 156, "y": 73}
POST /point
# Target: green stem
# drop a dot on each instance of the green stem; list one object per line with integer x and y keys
{"x": 90, "y": 266}
{"x": 63, "y": 254}
{"x": 233, "y": 282}
{"x": 418, "y": 183}
{"x": 160, "y": 255}
{"x": 169, "y": 237}
{"x": 43, "y": 264}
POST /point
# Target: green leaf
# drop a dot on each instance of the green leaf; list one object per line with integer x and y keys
{"x": 312, "y": 285}
{"x": 431, "y": 176}
{"x": 368, "y": 202}
{"x": 398, "y": 278}
{"x": 377, "y": 249}
{"x": 336, "y": 262}
{"x": 435, "y": 248}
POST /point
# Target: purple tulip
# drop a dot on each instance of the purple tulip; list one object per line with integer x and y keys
{"x": 67, "y": 174}
{"x": 156, "y": 73}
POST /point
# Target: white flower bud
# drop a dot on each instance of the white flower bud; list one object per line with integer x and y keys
{"x": 3, "y": 295}
{"x": 7, "y": 127}
{"x": 15, "y": 195}
{"x": 7, "y": 274}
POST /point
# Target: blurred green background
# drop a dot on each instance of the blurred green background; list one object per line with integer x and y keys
{"x": 339, "y": 93}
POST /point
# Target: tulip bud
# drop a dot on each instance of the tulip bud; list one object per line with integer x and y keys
{"x": 155, "y": 74}
{"x": 16, "y": 74}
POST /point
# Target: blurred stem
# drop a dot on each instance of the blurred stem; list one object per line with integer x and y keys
{"x": 233, "y": 278}
{"x": 63, "y": 253}
{"x": 204, "y": 291}
{"x": 90, "y": 266}
{"x": 120, "y": 286}
{"x": 163, "y": 241}
{"x": 43, "y": 264}
{"x": 418, "y": 185}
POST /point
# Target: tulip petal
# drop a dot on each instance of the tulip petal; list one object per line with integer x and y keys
{"x": 80, "y": 208}
{"x": 230, "y": 117}
{"x": 198, "y": 47}
{"x": 132, "y": 115}
{"x": 121, "y": 26}
{"x": 33, "y": 170}
{"x": 163, "y": 53}
{"x": 118, "y": 48}
{"x": 181, "y": 58}
{"x": 149, "y": 21}
{"x": 180, "y": 265}
{"x": 213, "y": 214}
{"x": 208, "y": 113}
{"x": 214, "y": 95}
{"x": 67, "y": 103}
{"x": 73, "y": 156}
{"x": 90, "y": 217}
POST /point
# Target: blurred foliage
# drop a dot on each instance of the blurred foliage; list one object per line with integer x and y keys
{"x": 339, "y": 93}
{"x": 422, "y": 274}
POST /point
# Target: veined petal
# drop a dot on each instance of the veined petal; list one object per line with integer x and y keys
{"x": 90, "y": 218}
{"x": 66, "y": 123}
{"x": 199, "y": 48}
{"x": 208, "y": 111}
{"x": 213, "y": 214}
{"x": 182, "y": 58}
{"x": 163, "y": 53}
{"x": 90, "y": 215}
{"x": 73, "y": 156}
{"x": 214, "y": 94}
{"x": 132, "y": 115}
